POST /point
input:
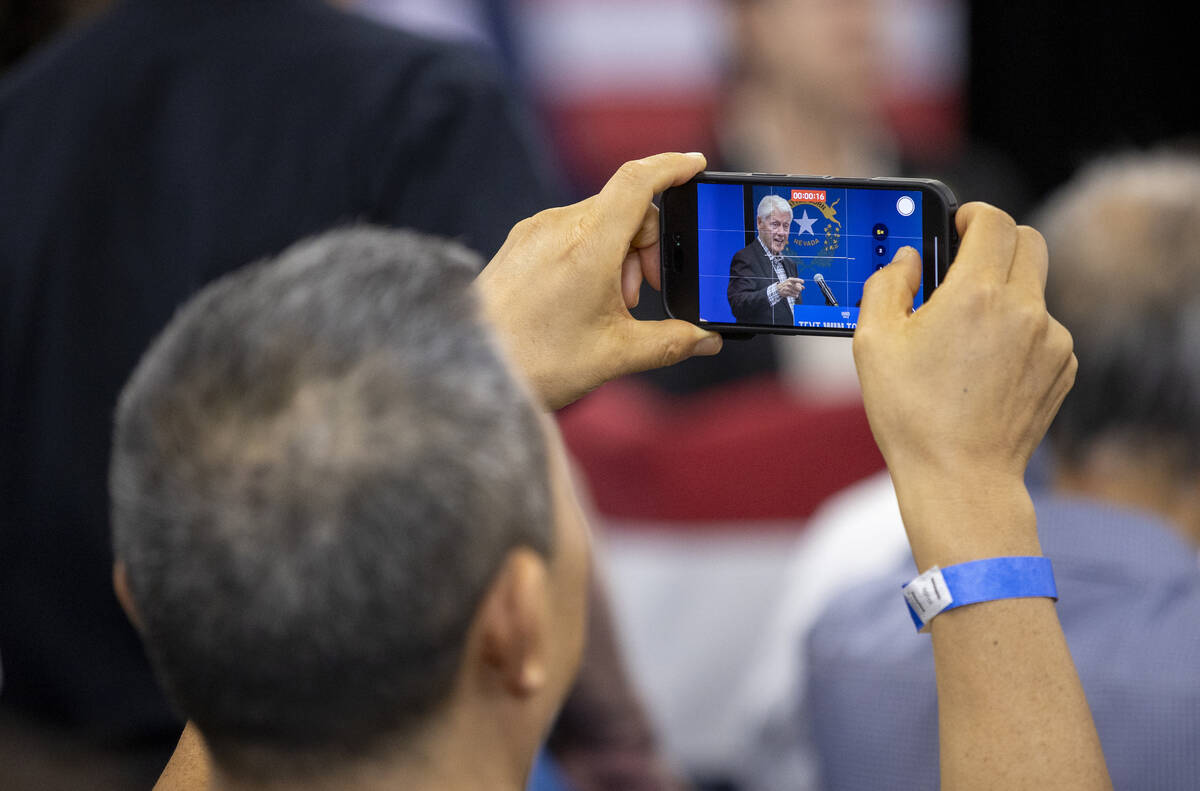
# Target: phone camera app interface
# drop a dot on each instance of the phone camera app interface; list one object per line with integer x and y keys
{"x": 782, "y": 255}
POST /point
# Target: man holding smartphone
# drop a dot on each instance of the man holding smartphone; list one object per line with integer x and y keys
{"x": 763, "y": 285}
{"x": 1012, "y": 711}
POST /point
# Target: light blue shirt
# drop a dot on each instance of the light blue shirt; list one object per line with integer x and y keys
{"x": 1129, "y": 603}
{"x": 546, "y": 775}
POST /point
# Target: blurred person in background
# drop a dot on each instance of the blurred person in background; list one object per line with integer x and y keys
{"x": 805, "y": 90}
{"x": 802, "y": 93}
{"x": 1120, "y": 519}
{"x": 144, "y": 152}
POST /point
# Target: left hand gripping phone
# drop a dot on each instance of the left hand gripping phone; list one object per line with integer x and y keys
{"x": 747, "y": 253}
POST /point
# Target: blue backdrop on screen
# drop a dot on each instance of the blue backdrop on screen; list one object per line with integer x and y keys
{"x": 844, "y": 234}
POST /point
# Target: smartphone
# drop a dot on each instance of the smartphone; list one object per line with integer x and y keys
{"x": 747, "y": 253}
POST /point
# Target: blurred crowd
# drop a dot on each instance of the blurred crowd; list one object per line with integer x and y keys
{"x": 737, "y": 641}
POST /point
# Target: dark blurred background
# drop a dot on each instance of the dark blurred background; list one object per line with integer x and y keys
{"x": 1043, "y": 86}
{"x": 1053, "y": 84}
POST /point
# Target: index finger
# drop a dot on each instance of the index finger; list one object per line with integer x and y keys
{"x": 624, "y": 199}
{"x": 989, "y": 239}
{"x": 645, "y": 243}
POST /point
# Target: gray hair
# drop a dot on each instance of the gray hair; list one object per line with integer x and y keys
{"x": 1124, "y": 241}
{"x": 318, "y": 468}
{"x": 771, "y": 204}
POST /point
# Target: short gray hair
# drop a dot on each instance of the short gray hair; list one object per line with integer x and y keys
{"x": 771, "y": 204}
{"x": 1124, "y": 237}
{"x": 318, "y": 468}
{"x": 1124, "y": 278}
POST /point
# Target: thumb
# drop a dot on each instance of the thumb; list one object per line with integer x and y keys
{"x": 888, "y": 294}
{"x": 656, "y": 344}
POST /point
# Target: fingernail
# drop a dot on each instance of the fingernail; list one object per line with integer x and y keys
{"x": 708, "y": 345}
{"x": 694, "y": 154}
{"x": 905, "y": 250}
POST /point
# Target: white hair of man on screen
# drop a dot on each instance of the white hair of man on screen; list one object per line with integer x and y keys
{"x": 772, "y": 204}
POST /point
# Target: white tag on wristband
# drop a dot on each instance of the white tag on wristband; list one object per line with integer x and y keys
{"x": 928, "y": 594}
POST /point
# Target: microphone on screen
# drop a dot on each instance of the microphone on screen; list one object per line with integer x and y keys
{"x": 829, "y": 298}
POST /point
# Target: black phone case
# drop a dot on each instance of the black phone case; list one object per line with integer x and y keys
{"x": 670, "y": 250}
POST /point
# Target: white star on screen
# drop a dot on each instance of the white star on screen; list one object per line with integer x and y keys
{"x": 806, "y": 223}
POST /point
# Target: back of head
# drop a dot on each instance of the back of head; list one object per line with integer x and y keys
{"x": 318, "y": 468}
{"x": 1125, "y": 280}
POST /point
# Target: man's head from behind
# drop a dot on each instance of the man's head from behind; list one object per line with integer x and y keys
{"x": 337, "y": 511}
{"x": 1125, "y": 280}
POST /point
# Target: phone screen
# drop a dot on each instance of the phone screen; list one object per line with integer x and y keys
{"x": 788, "y": 255}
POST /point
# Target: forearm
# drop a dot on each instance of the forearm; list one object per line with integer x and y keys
{"x": 1012, "y": 713}
{"x": 954, "y": 514}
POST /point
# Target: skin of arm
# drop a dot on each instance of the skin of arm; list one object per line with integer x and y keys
{"x": 959, "y": 394}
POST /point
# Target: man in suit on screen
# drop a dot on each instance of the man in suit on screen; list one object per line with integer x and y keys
{"x": 763, "y": 286}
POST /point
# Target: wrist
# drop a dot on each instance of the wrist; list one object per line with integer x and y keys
{"x": 957, "y": 519}
{"x": 937, "y": 590}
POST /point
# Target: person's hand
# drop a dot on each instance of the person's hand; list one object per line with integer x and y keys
{"x": 960, "y": 392}
{"x": 791, "y": 287}
{"x": 560, "y": 289}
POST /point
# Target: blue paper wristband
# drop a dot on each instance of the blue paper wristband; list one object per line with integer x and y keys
{"x": 938, "y": 590}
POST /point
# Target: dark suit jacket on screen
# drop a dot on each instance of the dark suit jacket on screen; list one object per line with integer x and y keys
{"x": 750, "y": 273}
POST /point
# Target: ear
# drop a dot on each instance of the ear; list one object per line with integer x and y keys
{"x": 514, "y": 623}
{"x": 121, "y": 587}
